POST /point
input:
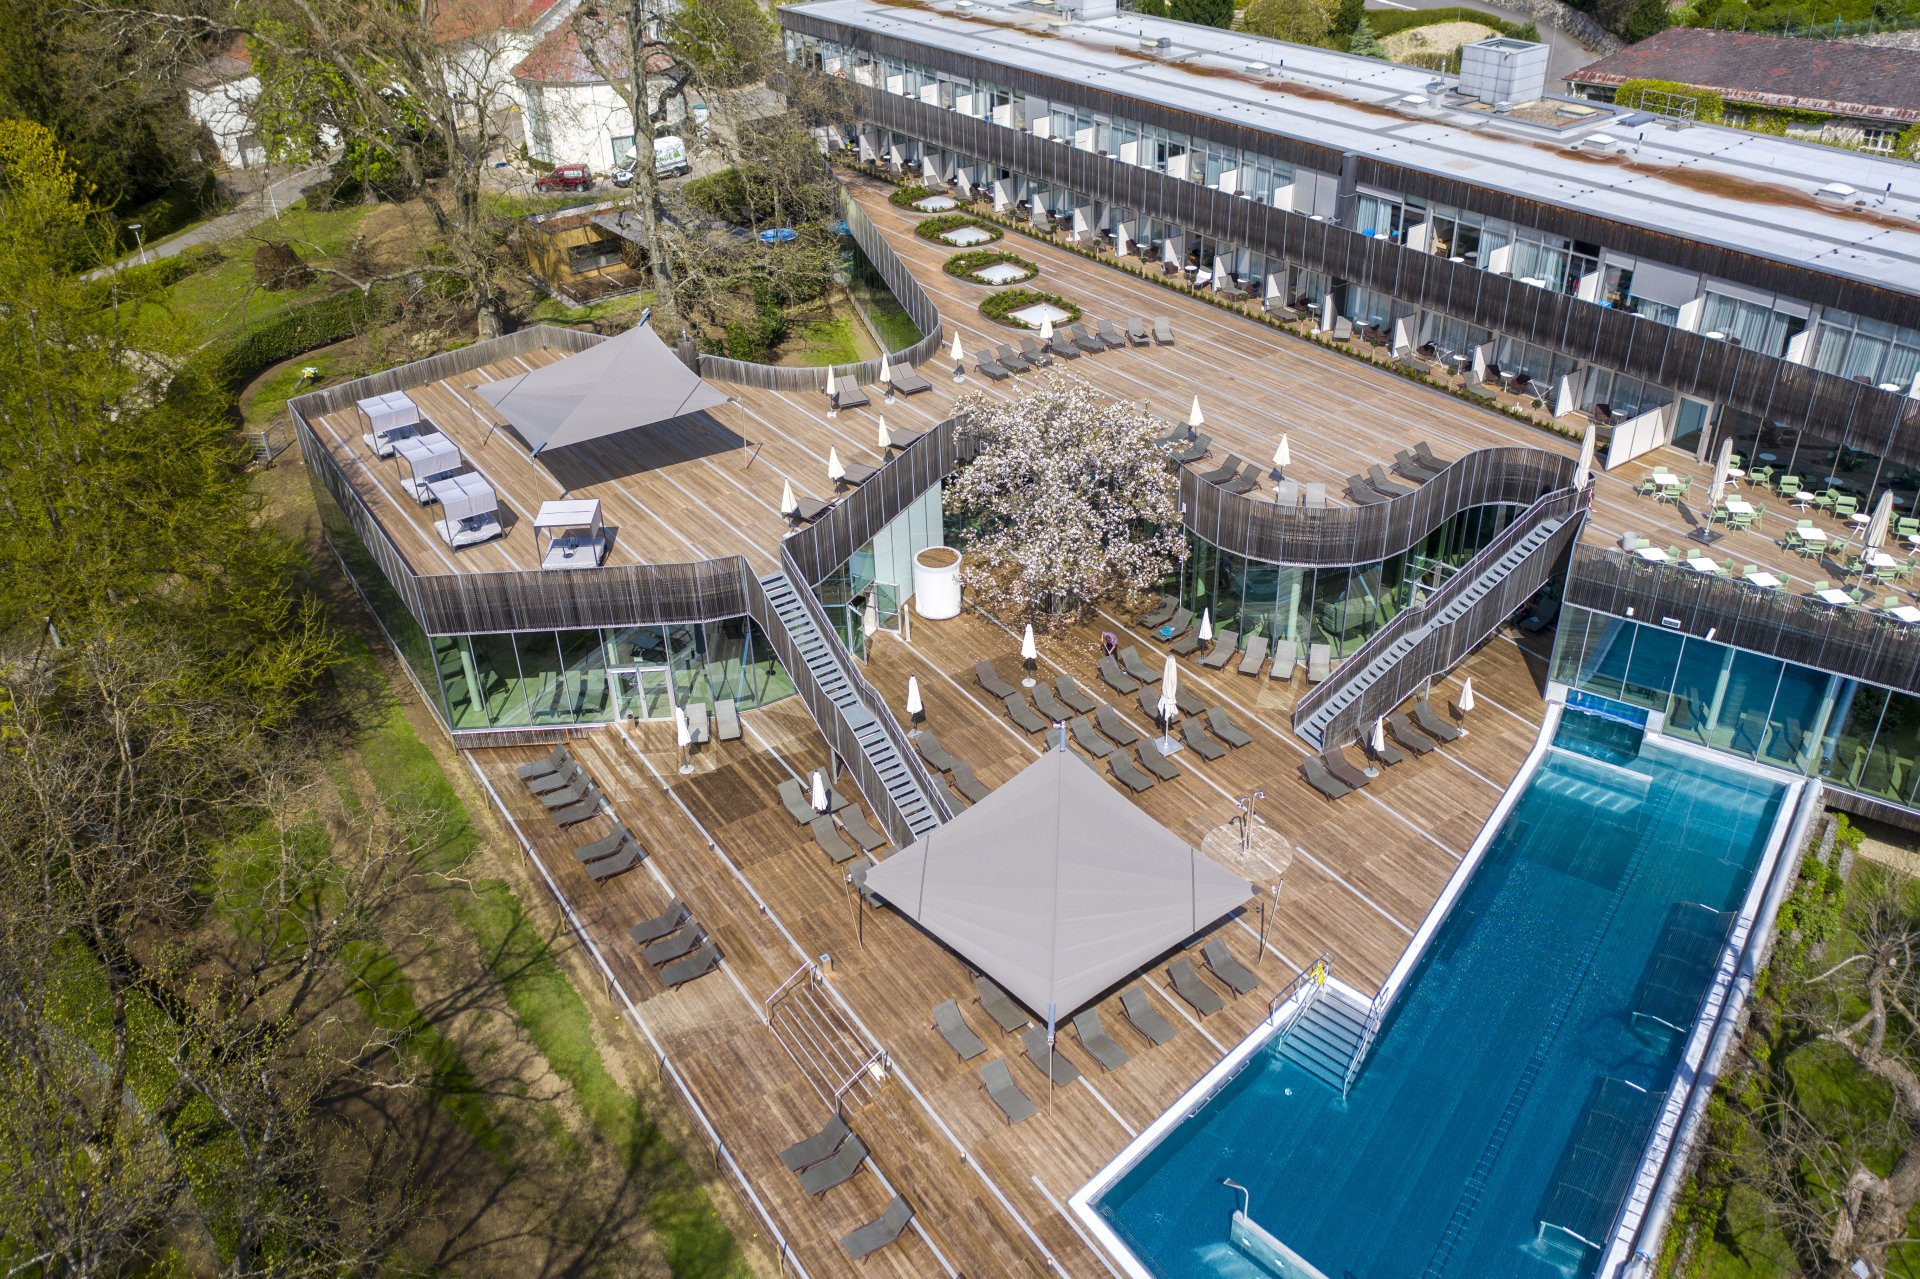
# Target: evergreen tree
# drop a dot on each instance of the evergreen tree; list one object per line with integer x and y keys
{"x": 1209, "y": 13}
{"x": 1365, "y": 43}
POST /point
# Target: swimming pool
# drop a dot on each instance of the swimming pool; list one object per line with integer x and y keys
{"x": 1523, "y": 1066}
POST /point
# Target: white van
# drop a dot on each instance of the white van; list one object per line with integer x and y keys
{"x": 669, "y": 159}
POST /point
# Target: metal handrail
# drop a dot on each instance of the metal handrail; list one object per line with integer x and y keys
{"x": 793, "y": 979}
{"x": 878, "y": 1057}
{"x": 1316, "y": 973}
{"x": 1376, "y": 1013}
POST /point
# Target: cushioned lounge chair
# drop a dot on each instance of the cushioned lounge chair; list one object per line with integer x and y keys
{"x": 802, "y": 1155}
{"x": 560, "y": 758}
{"x": 879, "y": 1232}
{"x": 649, "y": 931}
{"x": 1022, "y": 714}
{"x": 1115, "y": 727}
{"x": 1315, "y": 771}
{"x": 1410, "y": 737}
{"x": 836, "y": 1169}
{"x": 618, "y": 864}
{"x": 932, "y": 751}
{"x": 1116, "y": 679}
{"x": 1225, "y": 645}
{"x": 1089, "y": 741}
{"x": 1319, "y": 662}
{"x": 1121, "y": 764}
{"x": 1039, "y": 1053}
{"x": 1014, "y": 1104}
{"x": 1157, "y": 617}
{"x": 908, "y": 381}
{"x": 1137, "y": 331}
{"x": 573, "y": 814}
{"x": 1225, "y": 729}
{"x": 1163, "y": 330}
{"x": 694, "y": 966}
{"x": 954, "y": 1029}
{"x": 999, "y": 1005}
{"x": 726, "y": 719}
{"x": 1221, "y": 963}
{"x": 966, "y": 783}
{"x": 861, "y": 829}
{"x": 1047, "y": 704}
{"x": 794, "y": 796}
{"x": 1432, "y": 725}
{"x": 1336, "y": 764}
{"x": 1072, "y": 694}
{"x": 1173, "y": 628}
{"x": 1159, "y": 765}
{"x": 1197, "y": 739}
{"x": 1188, "y": 985}
{"x": 827, "y": 835}
{"x": 849, "y": 394}
{"x": 1143, "y": 1017}
{"x": 990, "y": 680}
{"x": 1132, "y": 663}
{"x": 675, "y": 945}
{"x": 1286, "y": 658}
{"x": 1099, "y": 1044}
{"x": 1255, "y": 655}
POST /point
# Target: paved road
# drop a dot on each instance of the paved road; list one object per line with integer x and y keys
{"x": 1565, "y": 54}
{"x": 249, "y": 213}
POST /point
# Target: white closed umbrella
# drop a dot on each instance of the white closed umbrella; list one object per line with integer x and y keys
{"x": 836, "y": 469}
{"x": 1717, "y": 491}
{"x": 959, "y": 356}
{"x": 819, "y": 791}
{"x": 1046, "y": 329}
{"x": 1282, "y": 456}
{"x": 1380, "y": 735}
{"x": 683, "y": 737}
{"x": 1029, "y": 653}
{"x": 1882, "y": 521}
{"x": 1206, "y": 626}
{"x": 1583, "y": 473}
{"x": 788, "y": 503}
{"x": 870, "y": 617}
{"x": 881, "y": 438}
{"x": 886, "y": 372}
{"x": 829, "y": 381}
{"x": 1195, "y": 418}
{"x": 1465, "y": 701}
{"x": 1169, "y": 704}
{"x": 915, "y": 707}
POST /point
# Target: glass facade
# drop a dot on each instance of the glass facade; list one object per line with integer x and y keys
{"x": 1852, "y": 734}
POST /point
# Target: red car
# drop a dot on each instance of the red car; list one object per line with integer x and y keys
{"x": 567, "y": 177}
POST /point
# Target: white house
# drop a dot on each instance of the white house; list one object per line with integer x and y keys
{"x": 220, "y": 98}
{"x": 484, "y": 40}
{"x": 572, "y": 115}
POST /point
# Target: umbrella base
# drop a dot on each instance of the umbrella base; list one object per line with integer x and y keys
{"x": 1168, "y": 746}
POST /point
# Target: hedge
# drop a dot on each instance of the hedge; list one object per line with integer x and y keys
{"x": 999, "y": 306}
{"x": 963, "y": 265}
{"x": 940, "y": 223}
{"x": 1392, "y": 21}
{"x": 907, "y": 196}
{"x": 302, "y": 328}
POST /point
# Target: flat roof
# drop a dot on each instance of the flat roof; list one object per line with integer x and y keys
{"x": 1746, "y": 191}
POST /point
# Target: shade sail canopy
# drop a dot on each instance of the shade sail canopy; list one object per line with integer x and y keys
{"x": 1056, "y": 886}
{"x": 632, "y": 379}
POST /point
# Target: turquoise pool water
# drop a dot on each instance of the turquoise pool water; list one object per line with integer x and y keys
{"x": 1524, "y": 1064}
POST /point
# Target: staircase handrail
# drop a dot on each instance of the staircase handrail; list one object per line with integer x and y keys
{"x": 793, "y": 979}
{"x": 1376, "y": 1013}
{"x": 1564, "y": 501}
{"x": 868, "y": 695}
{"x": 878, "y": 1057}
{"x": 1315, "y": 973}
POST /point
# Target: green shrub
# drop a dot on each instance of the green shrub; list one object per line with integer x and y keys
{"x": 755, "y": 338}
{"x": 722, "y": 195}
{"x": 1709, "y": 106}
{"x": 909, "y": 195}
{"x": 999, "y": 307}
{"x": 302, "y": 328}
{"x": 938, "y": 225}
{"x": 963, "y": 265}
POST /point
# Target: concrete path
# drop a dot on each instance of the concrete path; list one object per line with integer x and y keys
{"x": 244, "y": 216}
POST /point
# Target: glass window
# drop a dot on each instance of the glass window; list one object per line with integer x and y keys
{"x": 1739, "y": 716}
{"x": 1650, "y": 671}
{"x": 497, "y": 685}
{"x": 546, "y": 692}
{"x": 1749, "y": 324}
{"x": 1850, "y": 734}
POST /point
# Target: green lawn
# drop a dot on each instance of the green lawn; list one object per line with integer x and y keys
{"x": 826, "y": 342}
{"x": 553, "y": 311}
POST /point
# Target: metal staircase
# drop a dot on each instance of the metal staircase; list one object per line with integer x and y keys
{"x": 1325, "y": 1038}
{"x": 1426, "y": 639}
{"x": 850, "y": 714}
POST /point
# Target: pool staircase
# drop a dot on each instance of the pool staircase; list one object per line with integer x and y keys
{"x": 1426, "y": 639}
{"x": 1325, "y": 1039}
{"x": 851, "y": 716}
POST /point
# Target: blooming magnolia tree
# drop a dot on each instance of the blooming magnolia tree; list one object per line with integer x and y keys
{"x": 1071, "y": 499}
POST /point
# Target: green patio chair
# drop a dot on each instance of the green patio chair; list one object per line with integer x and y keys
{"x": 1761, "y": 477}
{"x": 1743, "y": 519}
{"x": 1844, "y": 505}
{"x": 1906, "y": 526}
{"x": 1788, "y": 485}
{"x": 1648, "y": 488}
{"x": 1717, "y": 513}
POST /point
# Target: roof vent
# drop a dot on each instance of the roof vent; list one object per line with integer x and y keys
{"x": 1259, "y": 68}
{"x": 1502, "y": 108}
{"x": 1601, "y": 144}
{"x": 1838, "y": 193}
{"x": 1436, "y": 93}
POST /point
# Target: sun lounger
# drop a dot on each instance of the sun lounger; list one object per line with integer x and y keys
{"x": 572, "y": 793}
{"x": 1163, "y": 330}
{"x": 694, "y": 966}
{"x": 1035, "y": 354}
{"x": 1221, "y": 963}
{"x": 1343, "y": 772}
{"x": 1174, "y": 628}
{"x": 1342, "y": 329}
{"x": 1318, "y": 777}
{"x": 1387, "y": 754}
{"x": 1319, "y": 662}
{"x": 1412, "y": 467}
{"x": 1195, "y": 449}
{"x": 1159, "y": 616}
{"x": 698, "y": 730}
{"x": 1225, "y": 645}
{"x": 1150, "y": 707}
{"x": 802, "y": 1155}
{"x": 1047, "y": 704}
{"x": 1186, "y": 645}
{"x": 1223, "y": 472}
{"x": 1246, "y": 482}
{"x": 574, "y": 814}
{"x": 808, "y": 509}
{"x": 1361, "y": 493}
{"x": 966, "y": 783}
{"x": 1426, "y": 458}
{"x": 554, "y": 783}
{"x": 1089, "y": 741}
{"x": 954, "y": 1029}
{"x": 1117, "y": 680}
{"x": 861, "y": 829}
{"x": 1137, "y": 331}
{"x": 879, "y": 1232}
{"x": 1159, "y": 765}
{"x": 827, "y": 835}
{"x": 560, "y": 759}
{"x": 1432, "y": 725}
{"x": 726, "y": 720}
{"x": 1060, "y": 344}
{"x": 1286, "y": 656}
{"x": 1121, "y": 765}
{"x": 1099, "y": 1044}
{"x": 990, "y": 680}
{"x": 836, "y": 1169}
{"x": 848, "y": 394}
{"x": 1188, "y": 701}
{"x": 1187, "y": 985}
{"x": 1011, "y": 360}
{"x": 1107, "y": 333}
{"x": 1225, "y": 729}
{"x": 1541, "y": 617}
{"x": 648, "y": 931}
{"x": 676, "y": 945}
{"x": 999, "y": 1005}
{"x": 932, "y": 751}
{"x": 1410, "y": 737}
{"x": 1131, "y": 662}
{"x": 1022, "y": 714}
{"x": 1115, "y": 727}
{"x": 1255, "y": 656}
{"x": 1014, "y": 1104}
{"x": 1201, "y": 744}
{"x": 1085, "y": 339}
{"x": 992, "y": 368}
{"x": 618, "y": 864}
{"x": 908, "y": 381}
{"x": 1073, "y": 696}
{"x": 1038, "y": 1052}
{"x": 1377, "y": 476}
{"x": 856, "y": 473}
{"x": 1142, "y": 1016}
{"x": 794, "y": 796}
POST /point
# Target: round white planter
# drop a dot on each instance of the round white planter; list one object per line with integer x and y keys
{"x": 936, "y": 587}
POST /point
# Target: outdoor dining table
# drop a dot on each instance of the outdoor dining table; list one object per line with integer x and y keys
{"x": 1880, "y": 559}
{"x": 1813, "y": 534}
{"x": 1701, "y": 564}
{"x": 1905, "y": 613}
{"x": 1653, "y": 553}
{"x": 1765, "y": 581}
{"x": 1860, "y": 519}
{"x": 1739, "y": 506}
{"x": 1805, "y": 498}
{"x": 1837, "y": 598}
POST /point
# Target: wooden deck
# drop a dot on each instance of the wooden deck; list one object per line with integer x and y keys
{"x": 1356, "y": 878}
